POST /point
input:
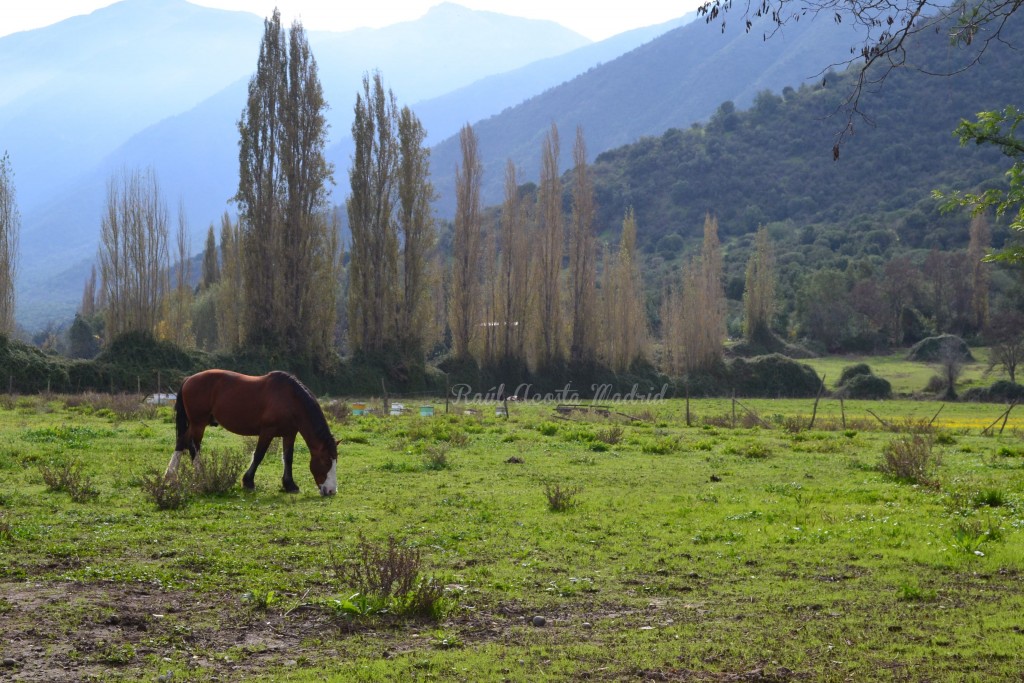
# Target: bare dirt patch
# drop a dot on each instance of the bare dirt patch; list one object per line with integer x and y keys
{"x": 63, "y": 631}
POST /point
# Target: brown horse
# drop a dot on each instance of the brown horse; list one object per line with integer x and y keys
{"x": 275, "y": 404}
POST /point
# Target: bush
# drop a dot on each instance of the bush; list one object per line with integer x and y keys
{"x": 68, "y": 477}
{"x": 851, "y": 371}
{"x": 773, "y": 376}
{"x": 866, "y": 387}
{"x": 168, "y": 493}
{"x": 930, "y": 350}
{"x": 387, "y": 578}
{"x": 218, "y": 470}
{"x": 911, "y": 459}
{"x": 1003, "y": 391}
{"x": 561, "y": 499}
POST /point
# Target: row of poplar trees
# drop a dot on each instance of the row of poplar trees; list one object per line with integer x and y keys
{"x": 504, "y": 299}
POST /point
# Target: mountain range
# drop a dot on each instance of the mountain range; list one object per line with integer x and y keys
{"x": 162, "y": 83}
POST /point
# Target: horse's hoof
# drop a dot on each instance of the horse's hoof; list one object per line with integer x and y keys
{"x": 290, "y": 488}
{"x": 248, "y": 485}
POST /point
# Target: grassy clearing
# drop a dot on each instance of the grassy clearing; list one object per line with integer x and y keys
{"x": 674, "y": 552}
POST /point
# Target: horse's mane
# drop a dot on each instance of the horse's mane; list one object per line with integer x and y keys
{"x": 316, "y": 414}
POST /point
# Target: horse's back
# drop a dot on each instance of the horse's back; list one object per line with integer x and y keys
{"x": 244, "y": 404}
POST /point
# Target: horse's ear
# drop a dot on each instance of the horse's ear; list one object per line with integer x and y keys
{"x": 337, "y": 442}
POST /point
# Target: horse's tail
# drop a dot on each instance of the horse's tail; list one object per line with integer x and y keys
{"x": 181, "y": 423}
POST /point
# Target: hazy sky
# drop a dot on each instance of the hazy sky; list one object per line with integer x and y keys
{"x": 597, "y": 21}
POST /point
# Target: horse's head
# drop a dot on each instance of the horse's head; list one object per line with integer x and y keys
{"x": 323, "y": 463}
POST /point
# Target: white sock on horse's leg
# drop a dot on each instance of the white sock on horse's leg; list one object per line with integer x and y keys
{"x": 172, "y": 466}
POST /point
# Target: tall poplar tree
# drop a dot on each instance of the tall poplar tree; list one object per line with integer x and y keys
{"x": 211, "y": 265}
{"x": 759, "y": 291}
{"x": 10, "y": 227}
{"x": 228, "y": 306}
{"x": 515, "y": 271}
{"x": 133, "y": 253}
{"x": 624, "y": 332}
{"x": 978, "y": 247}
{"x": 467, "y": 246}
{"x": 693, "y": 312}
{"x": 288, "y": 240}
{"x": 550, "y": 248}
{"x": 415, "y": 221}
{"x": 582, "y": 259}
{"x": 373, "y": 263}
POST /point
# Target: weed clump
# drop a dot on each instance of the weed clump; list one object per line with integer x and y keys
{"x": 216, "y": 474}
{"x": 218, "y": 471}
{"x": 911, "y": 458}
{"x": 561, "y": 499}
{"x": 168, "y": 493}
{"x": 388, "y": 579}
{"x": 67, "y": 476}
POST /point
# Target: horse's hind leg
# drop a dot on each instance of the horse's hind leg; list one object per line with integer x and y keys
{"x": 287, "y": 452}
{"x": 249, "y": 478}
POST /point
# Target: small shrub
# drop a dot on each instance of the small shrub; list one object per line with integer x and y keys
{"x": 756, "y": 451}
{"x": 168, "y": 493}
{"x": 381, "y": 569}
{"x": 261, "y": 599}
{"x": 970, "y": 534}
{"x": 867, "y": 387}
{"x": 910, "y": 458}
{"x": 436, "y": 458}
{"x": 992, "y": 498}
{"x": 547, "y": 428}
{"x": 662, "y": 446}
{"x": 67, "y": 476}
{"x": 910, "y": 591}
{"x": 561, "y": 499}
{"x": 218, "y": 470}
{"x": 851, "y": 371}
{"x": 338, "y": 410}
{"x": 611, "y": 435}
{"x": 387, "y": 578}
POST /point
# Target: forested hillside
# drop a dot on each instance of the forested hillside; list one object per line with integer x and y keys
{"x": 773, "y": 162}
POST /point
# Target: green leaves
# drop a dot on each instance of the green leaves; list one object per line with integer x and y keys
{"x": 997, "y": 128}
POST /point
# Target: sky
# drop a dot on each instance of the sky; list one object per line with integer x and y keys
{"x": 598, "y": 21}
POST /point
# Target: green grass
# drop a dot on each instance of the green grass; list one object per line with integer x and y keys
{"x": 703, "y": 551}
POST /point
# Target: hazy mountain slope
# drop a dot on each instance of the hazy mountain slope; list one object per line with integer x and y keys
{"x": 72, "y": 92}
{"x": 674, "y": 80}
{"x": 448, "y": 48}
{"x": 442, "y": 116}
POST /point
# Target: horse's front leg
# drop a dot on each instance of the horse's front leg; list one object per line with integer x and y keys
{"x": 249, "y": 478}
{"x": 287, "y": 451}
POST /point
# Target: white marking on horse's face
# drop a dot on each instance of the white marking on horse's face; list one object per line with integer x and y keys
{"x": 330, "y": 485}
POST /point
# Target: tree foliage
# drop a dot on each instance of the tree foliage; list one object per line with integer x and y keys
{"x": 10, "y": 227}
{"x": 759, "y": 293}
{"x": 373, "y": 267}
{"x": 133, "y": 253}
{"x": 998, "y": 129}
{"x": 582, "y": 260}
{"x": 289, "y": 242}
{"x": 467, "y": 249}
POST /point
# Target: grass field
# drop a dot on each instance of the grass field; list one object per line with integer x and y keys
{"x": 742, "y": 547}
